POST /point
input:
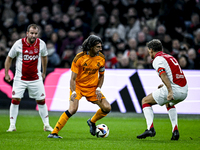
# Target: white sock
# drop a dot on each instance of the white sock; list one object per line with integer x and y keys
{"x": 173, "y": 117}
{"x": 13, "y": 113}
{"x": 148, "y": 114}
{"x": 44, "y": 114}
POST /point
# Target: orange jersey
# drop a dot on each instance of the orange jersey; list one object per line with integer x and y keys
{"x": 87, "y": 69}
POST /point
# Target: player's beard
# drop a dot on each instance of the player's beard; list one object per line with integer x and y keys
{"x": 31, "y": 40}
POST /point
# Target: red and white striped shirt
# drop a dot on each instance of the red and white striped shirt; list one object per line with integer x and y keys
{"x": 172, "y": 68}
{"x": 28, "y": 59}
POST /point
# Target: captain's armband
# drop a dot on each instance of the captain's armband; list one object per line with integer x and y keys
{"x": 160, "y": 71}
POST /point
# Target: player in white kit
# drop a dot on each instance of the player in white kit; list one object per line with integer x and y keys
{"x": 30, "y": 53}
{"x": 173, "y": 91}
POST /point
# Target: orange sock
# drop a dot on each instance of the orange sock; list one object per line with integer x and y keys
{"x": 60, "y": 124}
{"x": 98, "y": 115}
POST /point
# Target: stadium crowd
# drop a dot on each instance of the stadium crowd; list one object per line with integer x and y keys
{"x": 125, "y": 27}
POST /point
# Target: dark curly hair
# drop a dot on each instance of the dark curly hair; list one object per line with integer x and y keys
{"x": 155, "y": 45}
{"x": 91, "y": 41}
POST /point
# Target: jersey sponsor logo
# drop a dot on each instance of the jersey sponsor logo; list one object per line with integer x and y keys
{"x": 85, "y": 64}
{"x": 89, "y": 70}
{"x": 178, "y": 76}
{"x": 26, "y": 51}
{"x": 30, "y": 57}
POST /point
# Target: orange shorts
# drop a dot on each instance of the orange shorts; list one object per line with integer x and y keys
{"x": 88, "y": 93}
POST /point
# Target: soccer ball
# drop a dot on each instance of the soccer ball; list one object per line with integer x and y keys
{"x": 102, "y": 131}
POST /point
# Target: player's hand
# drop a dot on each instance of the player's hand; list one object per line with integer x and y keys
{"x": 170, "y": 96}
{"x": 161, "y": 85}
{"x": 43, "y": 76}
{"x": 7, "y": 78}
{"x": 99, "y": 95}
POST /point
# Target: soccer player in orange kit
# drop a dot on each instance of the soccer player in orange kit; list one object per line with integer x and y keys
{"x": 87, "y": 78}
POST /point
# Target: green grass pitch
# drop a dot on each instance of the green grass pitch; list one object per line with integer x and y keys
{"x": 123, "y": 131}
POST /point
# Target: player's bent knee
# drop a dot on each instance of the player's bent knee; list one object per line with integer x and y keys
{"x": 107, "y": 109}
{"x": 144, "y": 101}
{"x": 72, "y": 111}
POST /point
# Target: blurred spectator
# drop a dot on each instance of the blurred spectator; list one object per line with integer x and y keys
{"x": 46, "y": 34}
{"x": 115, "y": 25}
{"x": 197, "y": 42}
{"x": 175, "y": 48}
{"x": 184, "y": 62}
{"x": 148, "y": 63}
{"x": 3, "y": 55}
{"x": 118, "y": 44}
{"x": 45, "y": 17}
{"x": 13, "y": 39}
{"x": 29, "y": 12}
{"x": 171, "y": 15}
{"x": 167, "y": 44}
{"x": 141, "y": 53}
{"x": 71, "y": 39}
{"x": 119, "y": 5}
{"x": 160, "y": 32}
{"x": 22, "y": 35}
{"x": 132, "y": 44}
{"x": 3, "y": 38}
{"x": 82, "y": 10}
{"x": 195, "y": 23}
{"x": 141, "y": 39}
{"x": 65, "y": 23}
{"x": 100, "y": 28}
{"x": 56, "y": 16}
{"x": 148, "y": 33}
{"x": 62, "y": 34}
{"x": 22, "y": 22}
{"x": 54, "y": 40}
{"x": 71, "y": 12}
{"x": 124, "y": 63}
{"x": 68, "y": 55}
{"x": 98, "y": 10}
{"x": 133, "y": 59}
{"x": 132, "y": 27}
{"x": 53, "y": 57}
{"x": 82, "y": 27}
{"x": 35, "y": 18}
{"x": 111, "y": 59}
{"x": 8, "y": 27}
{"x": 7, "y": 10}
{"x": 193, "y": 57}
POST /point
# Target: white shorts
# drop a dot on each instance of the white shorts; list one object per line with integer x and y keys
{"x": 35, "y": 89}
{"x": 179, "y": 93}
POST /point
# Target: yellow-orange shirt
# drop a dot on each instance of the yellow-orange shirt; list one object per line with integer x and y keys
{"x": 87, "y": 69}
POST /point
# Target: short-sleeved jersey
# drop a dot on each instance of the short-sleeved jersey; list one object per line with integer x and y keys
{"x": 164, "y": 62}
{"x": 87, "y": 69}
{"x": 28, "y": 59}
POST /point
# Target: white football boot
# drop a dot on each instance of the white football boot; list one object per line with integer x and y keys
{"x": 11, "y": 128}
{"x": 48, "y": 128}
